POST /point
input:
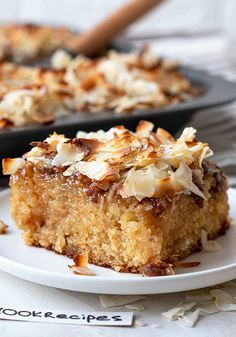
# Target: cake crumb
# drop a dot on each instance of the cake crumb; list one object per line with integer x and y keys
{"x": 3, "y": 227}
{"x": 109, "y": 301}
{"x": 81, "y": 260}
{"x": 138, "y": 323}
{"x": 158, "y": 269}
{"x": 190, "y": 264}
{"x": 81, "y": 270}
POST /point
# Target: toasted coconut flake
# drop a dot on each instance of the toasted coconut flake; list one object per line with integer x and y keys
{"x": 81, "y": 260}
{"x": 93, "y": 169}
{"x": 139, "y": 184}
{"x": 100, "y": 135}
{"x": 223, "y": 300}
{"x": 24, "y": 42}
{"x": 148, "y": 59}
{"x": 60, "y": 59}
{"x": 209, "y": 245}
{"x": 144, "y": 128}
{"x": 190, "y": 264}
{"x": 138, "y": 323}
{"x": 198, "y": 295}
{"x": 11, "y": 166}
{"x": 190, "y": 319}
{"x": 43, "y": 119}
{"x": 42, "y": 145}
{"x": 230, "y": 288}
{"x": 183, "y": 177}
{"x": 135, "y": 307}
{"x": 186, "y": 307}
{"x": 92, "y": 145}
{"x": 208, "y": 308}
{"x": 188, "y": 135}
{"x": 179, "y": 311}
{"x": 172, "y": 314}
{"x": 112, "y": 156}
{"x": 81, "y": 270}
{"x": 4, "y": 122}
{"x": 3, "y": 228}
{"x": 67, "y": 154}
{"x": 54, "y": 139}
{"x": 183, "y": 314}
{"x": 26, "y": 106}
{"x": 164, "y": 137}
{"x": 109, "y": 301}
{"x": 170, "y": 64}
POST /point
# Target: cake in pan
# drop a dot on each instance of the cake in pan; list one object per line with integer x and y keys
{"x": 27, "y": 42}
{"x": 116, "y": 82}
{"x": 131, "y": 201}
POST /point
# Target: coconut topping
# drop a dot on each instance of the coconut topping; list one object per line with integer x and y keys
{"x": 60, "y": 59}
{"x": 117, "y": 82}
{"x": 28, "y": 106}
{"x": 142, "y": 164}
{"x": 24, "y": 42}
{"x": 123, "y": 82}
{"x": 30, "y": 95}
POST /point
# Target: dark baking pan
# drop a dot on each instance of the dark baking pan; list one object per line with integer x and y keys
{"x": 15, "y": 141}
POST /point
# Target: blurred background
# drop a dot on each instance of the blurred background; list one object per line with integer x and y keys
{"x": 186, "y": 29}
{"x": 175, "y": 15}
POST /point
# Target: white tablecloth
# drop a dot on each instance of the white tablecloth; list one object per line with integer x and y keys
{"x": 17, "y": 292}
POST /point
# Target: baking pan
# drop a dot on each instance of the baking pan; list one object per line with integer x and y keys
{"x": 15, "y": 141}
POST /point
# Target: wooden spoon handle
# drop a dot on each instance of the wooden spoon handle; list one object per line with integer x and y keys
{"x": 96, "y": 39}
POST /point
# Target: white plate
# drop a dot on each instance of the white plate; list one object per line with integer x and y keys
{"x": 45, "y": 267}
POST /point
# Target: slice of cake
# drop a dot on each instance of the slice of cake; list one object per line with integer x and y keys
{"x": 132, "y": 201}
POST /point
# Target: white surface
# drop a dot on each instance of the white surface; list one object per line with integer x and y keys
{"x": 16, "y": 292}
{"x": 45, "y": 267}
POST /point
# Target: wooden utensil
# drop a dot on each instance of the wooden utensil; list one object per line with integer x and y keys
{"x": 97, "y": 38}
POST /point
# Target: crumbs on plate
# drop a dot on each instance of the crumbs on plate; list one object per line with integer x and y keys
{"x": 3, "y": 227}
